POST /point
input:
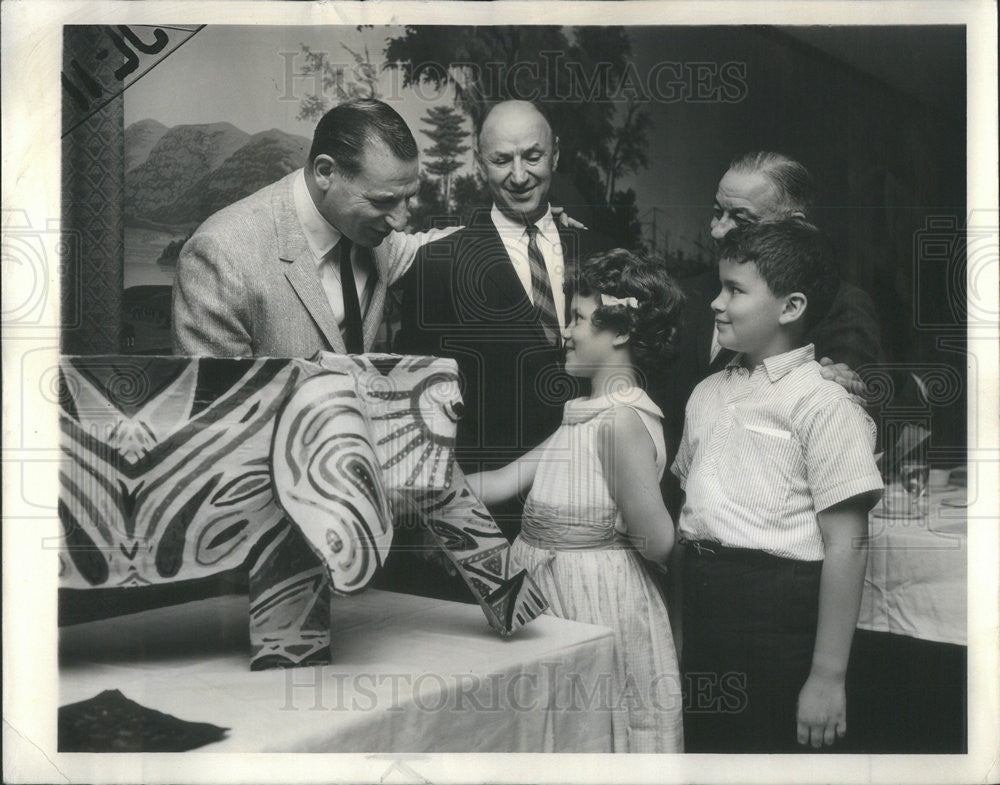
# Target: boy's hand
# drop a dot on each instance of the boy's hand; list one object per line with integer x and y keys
{"x": 822, "y": 714}
{"x": 843, "y": 375}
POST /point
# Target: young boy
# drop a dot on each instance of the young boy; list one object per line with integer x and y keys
{"x": 777, "y": 467}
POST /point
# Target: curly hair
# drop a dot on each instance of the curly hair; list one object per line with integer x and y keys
{"x": 653, "y": 325}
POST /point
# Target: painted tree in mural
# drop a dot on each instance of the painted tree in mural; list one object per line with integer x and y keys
{"x": 336, "y": 83}
{"x": 627, "y": 151}
{"x": 470, "y": 194}
{"x": 448, "y": 133}
{"x": 586, "y": 73}
{"x": 439, "y": 187}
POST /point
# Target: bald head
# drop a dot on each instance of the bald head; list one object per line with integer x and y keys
{"x": 509, "y": 114}
{"x": 516, "y": 155}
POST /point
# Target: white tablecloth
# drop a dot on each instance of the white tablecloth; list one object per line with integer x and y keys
{"x": 410, "y": 674}
{"x": 916, "y": 579}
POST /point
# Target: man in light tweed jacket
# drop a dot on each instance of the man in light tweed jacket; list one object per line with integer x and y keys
{"x": 265, "y": 276}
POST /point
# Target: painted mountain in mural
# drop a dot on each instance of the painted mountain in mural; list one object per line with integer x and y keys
{"x": 265, "y": 158}
{"x": 177, "y": 161}
{"x": 140, "y": 139}
{"x": 194, "y": 170}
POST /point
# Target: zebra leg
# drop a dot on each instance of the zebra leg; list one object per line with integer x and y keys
{"x": 289, "y": 604}
{"x": 459, "y": 523}
{"x": 327, "y": 480}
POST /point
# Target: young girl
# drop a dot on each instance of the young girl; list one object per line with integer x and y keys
{"x": 595, "y": 510}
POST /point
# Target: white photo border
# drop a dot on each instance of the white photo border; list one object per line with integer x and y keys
{"x": 31, "y": 63}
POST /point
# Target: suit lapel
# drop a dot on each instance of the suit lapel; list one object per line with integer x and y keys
{"x": 573, "y": 244}
{"x": 574, "y": 252}
{"x": 502, "y": 286}
{"x": 301, "y": 274}
{"x": 300, "y": 267}
{"x": 706, "y": 327}
{"x": 706, "y": 289}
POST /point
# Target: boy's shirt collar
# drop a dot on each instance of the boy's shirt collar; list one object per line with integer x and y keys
{"x": 779, "y": 365}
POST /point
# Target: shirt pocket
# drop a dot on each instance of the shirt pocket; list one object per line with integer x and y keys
{"x": 756, "y": 466}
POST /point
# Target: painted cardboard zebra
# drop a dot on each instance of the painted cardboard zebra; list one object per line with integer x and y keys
{"x": 176, "y": 469}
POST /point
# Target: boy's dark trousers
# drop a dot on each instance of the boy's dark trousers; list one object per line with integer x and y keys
{"x": 749, "y": 628}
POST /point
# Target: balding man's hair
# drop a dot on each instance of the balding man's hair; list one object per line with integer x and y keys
{"x": 538, "y": 107}
{"x": 345, "y": 132}
{"x": 792, "y": 181}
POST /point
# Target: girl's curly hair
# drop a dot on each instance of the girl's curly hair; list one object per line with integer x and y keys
{"x": 653, "y": 325}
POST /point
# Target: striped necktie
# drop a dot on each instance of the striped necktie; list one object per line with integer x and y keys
{"x": 541, "y": 290}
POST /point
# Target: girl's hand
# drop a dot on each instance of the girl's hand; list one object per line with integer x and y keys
{"x": 822, "y": 711}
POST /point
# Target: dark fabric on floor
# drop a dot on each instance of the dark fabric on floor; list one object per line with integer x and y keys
{"x": 110, "y": 722}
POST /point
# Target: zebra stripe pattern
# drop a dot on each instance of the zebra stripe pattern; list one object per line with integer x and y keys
{"x": 169, "y": 465}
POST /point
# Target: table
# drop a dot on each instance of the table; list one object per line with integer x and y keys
{"x": 915, "y": 584}
{"x": 410, "y": 674}
{"x": 907, "y": 680}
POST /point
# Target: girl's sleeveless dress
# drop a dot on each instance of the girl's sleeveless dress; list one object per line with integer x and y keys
{"x": 571, "y": 544}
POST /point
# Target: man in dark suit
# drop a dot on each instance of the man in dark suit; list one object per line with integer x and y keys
{"x": 491, "y": 297}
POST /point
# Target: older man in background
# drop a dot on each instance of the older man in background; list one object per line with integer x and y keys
{"x": 769, "y": 186}
{"x": 766, "y": 186}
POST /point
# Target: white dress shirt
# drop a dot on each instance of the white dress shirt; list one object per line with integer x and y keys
{"x": 514, "y": 236}
{"x": 322, "y": 237}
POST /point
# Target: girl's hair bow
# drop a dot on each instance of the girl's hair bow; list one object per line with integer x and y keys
{"x": 628, "y": 302}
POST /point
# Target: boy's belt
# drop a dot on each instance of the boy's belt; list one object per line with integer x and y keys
{"x": 710, "y": 549}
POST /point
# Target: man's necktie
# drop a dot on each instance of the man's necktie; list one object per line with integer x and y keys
{"x": 721, "y": 359}
{"x": 718, "y": 355}
{"x": 541, "y": 289}
{"x": 353, "y": 336}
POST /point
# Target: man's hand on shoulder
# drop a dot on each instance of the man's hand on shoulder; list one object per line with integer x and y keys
{"x": 843, "y": 375}
{"x": 564, "y": 220}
